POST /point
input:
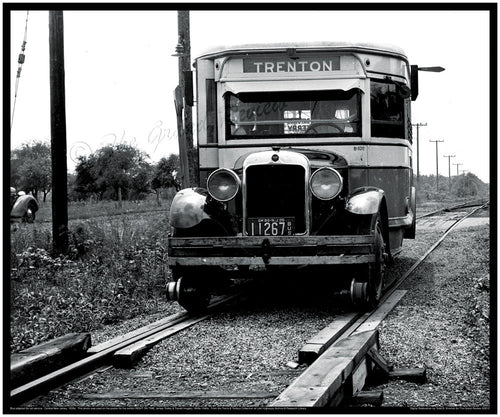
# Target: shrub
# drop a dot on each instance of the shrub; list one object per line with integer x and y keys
{"x": 115, "y": 269}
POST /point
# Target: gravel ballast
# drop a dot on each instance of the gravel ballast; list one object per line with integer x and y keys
{"x": 441, "y": 324}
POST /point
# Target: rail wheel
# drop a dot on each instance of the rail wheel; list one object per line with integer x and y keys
{"x": 191, "y": 293}
{"x": 366, "y": 288}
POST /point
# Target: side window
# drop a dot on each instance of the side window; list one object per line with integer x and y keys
{"x": 211, "y": 111}
{"x": 387, "y": 102}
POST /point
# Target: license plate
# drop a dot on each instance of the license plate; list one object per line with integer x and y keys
{"x": 271, "y": 226}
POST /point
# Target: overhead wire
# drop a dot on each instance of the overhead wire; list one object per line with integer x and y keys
{"x": 20, "y": 62}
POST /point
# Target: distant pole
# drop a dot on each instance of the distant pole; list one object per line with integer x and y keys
{"x": 449, "y": 168}
{"x": 418, "y": 125}
{"x": 466, "y": 180}
{"x": 437, "y": 163}
{"x": 58, "y": 133}
{"x": 457, "y": 164}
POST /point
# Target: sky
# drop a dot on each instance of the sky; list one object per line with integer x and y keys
{"x": 120, "y": 73}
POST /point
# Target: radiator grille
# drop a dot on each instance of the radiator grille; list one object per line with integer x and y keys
{"x": 276, "y": 191}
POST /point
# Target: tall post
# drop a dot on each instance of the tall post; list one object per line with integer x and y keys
{"x": 418, "y": 125}
{"x": 437, "y": 163}
{"x": 183, "y": 50}
{"x": 457, "y": 164}
{"x": 58, "y": 133}
{"x": 449, "y": 168}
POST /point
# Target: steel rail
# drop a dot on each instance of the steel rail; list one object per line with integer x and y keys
{"x": 399, "y": 281}
{"x": 459, "y": 206}
{"x": 63, "y": 375}
{"x": 363, "y": 318}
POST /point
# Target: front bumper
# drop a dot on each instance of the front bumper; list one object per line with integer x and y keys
{"x": 271, "y": 250}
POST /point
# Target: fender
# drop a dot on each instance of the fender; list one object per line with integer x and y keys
{"x": 365, "y": 200}
{"x": 21, "y": 205}
{"x": 187, "y": 209}
{"x": 194, "y": 213}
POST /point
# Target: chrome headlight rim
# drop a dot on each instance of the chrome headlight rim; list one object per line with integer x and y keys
{"x": 233, "y": 175}
{"x": 322, "y": 169}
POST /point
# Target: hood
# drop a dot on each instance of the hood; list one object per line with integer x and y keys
{"x": 316, "y": 158}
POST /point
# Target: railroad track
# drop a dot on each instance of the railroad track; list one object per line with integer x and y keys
{"x": 352, "y": 337}
{"x": 343, "y": 356}
{"x": 467, "y": 204}
{"x": 122, "y": 351}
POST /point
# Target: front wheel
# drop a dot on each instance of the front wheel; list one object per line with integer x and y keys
{"x": 190, "y": 290}
{"x": 366, "y": 287}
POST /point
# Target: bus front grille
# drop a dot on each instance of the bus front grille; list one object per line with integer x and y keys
{"x": 276, "y": 191}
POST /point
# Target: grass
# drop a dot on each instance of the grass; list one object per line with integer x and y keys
{"x": 115, "y": 269}
{"x": 89, "y": 209}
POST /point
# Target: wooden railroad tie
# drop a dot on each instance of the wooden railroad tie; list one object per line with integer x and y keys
{"x": 41, "y": 359}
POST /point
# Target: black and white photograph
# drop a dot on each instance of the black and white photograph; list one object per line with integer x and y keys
{"x": 250, "y": 208}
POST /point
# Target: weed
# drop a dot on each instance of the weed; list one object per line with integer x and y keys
{"x": 114, "y": 270}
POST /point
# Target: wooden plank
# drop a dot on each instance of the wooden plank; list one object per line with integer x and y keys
{"x": 317, "y": 344}
{"x": 318, "y": 384}
{"x": 248, "y": 241}
{"x": 130, "y": 355}
{"x": 359, "y": 376}
{"x": 69, "y": 342}
{"x": 375, "y": 398}
{"x": 381, "y": 312}
{"x": 409, "y": 374}
{"x": 29, "y": 390}
{"x": 380, "y": 361}
{"x": 41, "y": 359}
{"x": 180, "y": 395}
{"x": 273, "y": 260}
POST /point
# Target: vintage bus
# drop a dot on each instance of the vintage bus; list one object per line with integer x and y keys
{"x": 305, "y": 158}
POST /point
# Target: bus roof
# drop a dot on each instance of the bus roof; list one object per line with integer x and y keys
{"x": 382, "y": 49}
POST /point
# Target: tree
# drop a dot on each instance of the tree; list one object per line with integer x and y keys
{"x": 165, "y": 175}
{"x": 31, "y": 168}
{"x": 117, "y": 170}
{"x": 140, "y": 180}
{"x": 86, "y": 180}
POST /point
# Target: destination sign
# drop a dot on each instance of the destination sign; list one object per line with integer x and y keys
{"x": 278, "y": 65}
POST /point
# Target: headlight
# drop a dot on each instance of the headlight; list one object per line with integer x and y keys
{"x": 223, "y": 184}
{"x": 326, "y": 183}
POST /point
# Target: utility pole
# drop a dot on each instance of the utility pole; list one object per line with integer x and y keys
{"x": 184, "y": 103}
{"x": 457, "y": 164}
{"x": 418, "y": 125}
{"x": 466, "y": 181}
{"x": 449, "y": 168}
{"x": 437, "y": 163}
{"x": 58, "y": 133}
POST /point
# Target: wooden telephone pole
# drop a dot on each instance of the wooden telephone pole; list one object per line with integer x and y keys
{"x": 418, "y": 126}
{"x": 449, "y": 169}
{"x": 58, "y": 133}
{"x": 437, "y": 163}
{"x": 184, "y": 103}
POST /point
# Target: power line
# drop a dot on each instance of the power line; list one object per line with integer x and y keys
{"x": 20, "y": 62}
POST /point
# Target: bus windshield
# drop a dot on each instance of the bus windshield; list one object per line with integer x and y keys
{"x": 293, "y": 114}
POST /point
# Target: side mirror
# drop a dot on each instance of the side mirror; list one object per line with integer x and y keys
{"x": 188, "y": 87}
{"x": 414, "y": 81}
